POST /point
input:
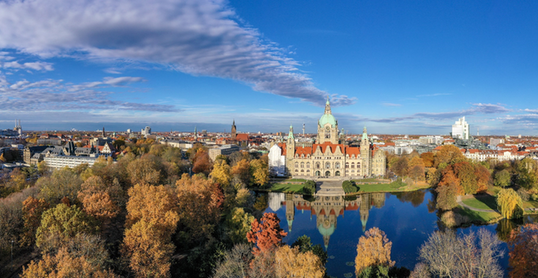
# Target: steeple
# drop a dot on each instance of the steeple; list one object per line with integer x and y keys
{"x": 328, "y": 107}
{"x": 364, "y": 134}
{"x": 290, "y": 134}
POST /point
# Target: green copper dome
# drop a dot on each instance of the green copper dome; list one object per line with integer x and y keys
{"x": 327, "y": 118}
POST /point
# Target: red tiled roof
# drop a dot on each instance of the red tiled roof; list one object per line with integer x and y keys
{"x": 242, "y": 137}
{"x": 282, "y": 147}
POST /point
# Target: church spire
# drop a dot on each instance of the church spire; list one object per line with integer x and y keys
{"x": 364, "y": 134}
{"x": 328, "y": 106}
{"x": 290, "y": 134}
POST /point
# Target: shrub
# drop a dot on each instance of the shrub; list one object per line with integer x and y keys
{"x": 309, "y": 187}
{"x": 349, "y": 187}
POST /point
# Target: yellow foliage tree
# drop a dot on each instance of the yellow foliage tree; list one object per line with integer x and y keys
{"x": 241, "y": 170}
{"x": 152, "y": 219}
{"x": 509, "y": 204}
{"x": 290, "y": 262}
{"x": 199, "y": 204}
{"x": 260, "y": 172}
{"x": 373, "y": 249}
{"x": 221, "y": 173}
{"x": 154, "y": 204}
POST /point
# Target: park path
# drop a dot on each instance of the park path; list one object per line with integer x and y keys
{"x": 488, "y": 210}
{"x": 473, "y": 208}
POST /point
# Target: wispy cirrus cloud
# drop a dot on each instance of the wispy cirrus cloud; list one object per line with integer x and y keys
{"x": 198, "y": 37}
{"x": 391, "y": 104}
{"x": 55, "y": 95}
{"x": 482, "y": 108}
{"x": 39, "y": 66}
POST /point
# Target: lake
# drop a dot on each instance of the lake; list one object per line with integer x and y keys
{"x": 337, "y": 223}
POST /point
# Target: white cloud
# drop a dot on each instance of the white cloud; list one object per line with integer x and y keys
{"x": 199, "y": 37}
{"x": 55, "y": 95}
{"x": 39, "y": 66}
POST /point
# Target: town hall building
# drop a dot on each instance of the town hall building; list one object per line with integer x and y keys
{"x": 329, "y": 156}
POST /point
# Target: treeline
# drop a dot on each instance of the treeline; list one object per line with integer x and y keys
{"x": 140, "y": 216}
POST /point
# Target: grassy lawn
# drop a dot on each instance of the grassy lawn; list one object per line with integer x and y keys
{"x": 381, "y": 187}
{"x": 530, "y": 204}
{"x": 287, "y": 187}
{"x": 366, "y": 180}
{"x": 480, "y": 201}
{"x": 479, "y": 216}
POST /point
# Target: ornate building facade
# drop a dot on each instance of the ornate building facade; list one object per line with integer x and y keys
{"x": 329, "y": 156}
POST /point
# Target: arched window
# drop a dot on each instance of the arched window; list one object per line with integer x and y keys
{"x": 318, "y": 165}
{"x": 318, "y": 173}
{"x": 296, "y": 164}
{"x": 337, "y": 173}
{"x": 302, "y": 164}
{"x": 327, "y": 165}
{"x": 352, "y": 164}
{"x": 308, "y": 165}
{"x": 327, "y": 173}
{"x": 337, "y": 165}
{"x": 347, "y": 164}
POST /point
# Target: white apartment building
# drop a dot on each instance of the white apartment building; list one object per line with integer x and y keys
{"x": 460, "y": 129}
{"x": 60, "y": 161}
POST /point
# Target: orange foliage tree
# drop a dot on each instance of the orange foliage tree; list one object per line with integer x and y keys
{"x": 427, "y": 158}
{"x": 241, "y": 170}
{"x": 290, "y": 262}
{"x": 373, "y": 249}
{"x": 199, "y": 205}
{"x": 32, "y": 209}
{"x": 448, "y": 154}
{"x": 483, "y": 177}
{"x": 466, "y": 174}
{"x": 266, "y": 234}
{"x": 96, "y": 200}
{"x": 523, "y": 246}
{"x": 201, "y": 162}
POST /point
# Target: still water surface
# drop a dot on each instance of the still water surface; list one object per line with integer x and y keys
{"x": 337, "y": 223}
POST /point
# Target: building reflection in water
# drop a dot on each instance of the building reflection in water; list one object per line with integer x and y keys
{"x": 326, "y": 208}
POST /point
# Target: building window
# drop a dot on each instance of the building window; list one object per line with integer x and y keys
{"x": 327, "y": 173}
{"x": 318, "y": 165}
{"x": 308, "y": 165}
{"x": 337, "y": 165}
{"x": 337, "y": 173}
{"x": 302, "y": 164}
{"x": 328, "y": 165}
{"x": 296, "y": 164}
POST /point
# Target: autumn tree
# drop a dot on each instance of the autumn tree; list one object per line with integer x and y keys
{"x": 260, "y": 172}
{"x": 291, "y": 262}
{"x": 96, "y": 199}
{"x": 62, "y": 183}
{"x": 152, "y": 219}
{"x": 147, "y": 169}
{"x": 241, "y": 171}
{"x": 82, "y": 256}
{"x": 201, "y": 162}
{"x": 449, "y": 178}
{"x": 509, "y": 204}
{"x": 148, "y": 249}
{"x": 266, "y": 234}
{"x": 199, "y": 206}
{"x": 523, "y": 246}
{"x": 483, "y": 177}
{"x": 448, "y": 154}
{"x": 31, "y": 213}
{"x": 373, "y": 249}
{"x": 502, "y": 178}
{"x": 466, "y": 175}
{"x": 427, "y": 159}
{"x": 305, "y": 245}
{"x": 416, "y": 169}
{"x": 526, "y": 175}
{"x": 401, "y": 167}
{"x": 60, "y": 224}
{"x": 238, "y": 224}
{"x": 446, "y": 197}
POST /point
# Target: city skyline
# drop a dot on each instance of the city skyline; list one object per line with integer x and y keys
{"x": 394, "y": 67}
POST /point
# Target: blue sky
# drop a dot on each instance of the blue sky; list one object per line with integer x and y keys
{"x": 397, "y": 67}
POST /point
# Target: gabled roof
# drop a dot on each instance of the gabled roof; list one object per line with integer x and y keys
{"x": 242, "y": 137}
